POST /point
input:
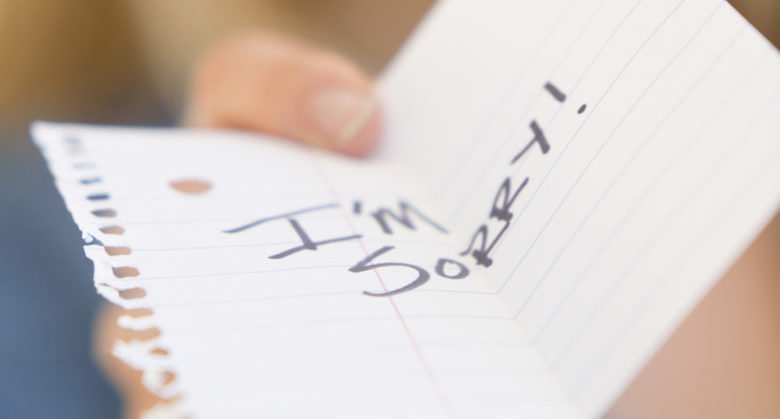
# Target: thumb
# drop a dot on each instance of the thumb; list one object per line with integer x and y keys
{"x": 275, "y": 85}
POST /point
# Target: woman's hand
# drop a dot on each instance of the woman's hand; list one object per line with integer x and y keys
{"x": 266, "y": 83}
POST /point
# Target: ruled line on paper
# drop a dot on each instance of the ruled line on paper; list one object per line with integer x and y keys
{"x": 211, "y": 247}
{"x": 197, "y": 221}
{"x": 582, "y": 124}
{"x": 251, "y": 245}
{"x": 512, "y": 370}
{"x": 252, "y": 272}
{"x": 750, "y": 184}
{"x": 449, "y": 372}
{"x": 607, "y": 140}
{"x": 449, "y": 291}
{"x": 282, "y": 216}
{"x": 660, "y": 230}
{"x": 258, "y": 299}
{"x": 635, "y": 206}
{"x": 160, "y": 198}
{"x": 337, "y": 321}
{"x": 289, "y": 297}
{"x": 217, "y": 274}
{"x": 305, "y": 295}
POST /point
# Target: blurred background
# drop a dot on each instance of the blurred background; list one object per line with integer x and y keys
{"x": 127, "y": 62}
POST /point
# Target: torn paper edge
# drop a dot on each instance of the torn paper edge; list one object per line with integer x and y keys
{"x": 77, "y": 177}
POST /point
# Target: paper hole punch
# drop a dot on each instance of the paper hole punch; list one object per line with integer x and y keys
{"x": 139, "y": 312}
{"x": 132, "y": 293}
{"x": 104, "y": 213}
{"x": 117, "y": 250}
{"x": 98, "y": 197}
{"x": 125, "y": 272}
{"x": 90, "y": 180}
{"x": 190, "y": 186}
{"x": 83, "y": 165}
{"x": 116, "y": 230}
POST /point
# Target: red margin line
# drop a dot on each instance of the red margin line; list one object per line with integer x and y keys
{"x": 443, "y": 399}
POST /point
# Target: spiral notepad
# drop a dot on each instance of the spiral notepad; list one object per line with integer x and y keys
{"x": 556, "y": 186}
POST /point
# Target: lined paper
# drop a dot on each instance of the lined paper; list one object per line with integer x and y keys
{"x": 636, "y": 209}
{"x": 614, "y": 156}
{"x": 292, "y": 336}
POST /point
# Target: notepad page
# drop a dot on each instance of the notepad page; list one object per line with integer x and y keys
{"x": 557, "y": 185}
{"x": 660, "y": 120}
{"x": 253, "y": 322}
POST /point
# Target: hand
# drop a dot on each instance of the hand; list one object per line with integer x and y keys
{"x": 270, "y": 84}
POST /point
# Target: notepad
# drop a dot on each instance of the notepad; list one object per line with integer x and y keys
{"x": 557, "y": 185}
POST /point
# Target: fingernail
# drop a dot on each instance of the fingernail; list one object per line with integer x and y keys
{"x": 340, "y": 113}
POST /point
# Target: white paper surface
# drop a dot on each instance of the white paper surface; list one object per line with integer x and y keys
{"x": 643, "y": 198}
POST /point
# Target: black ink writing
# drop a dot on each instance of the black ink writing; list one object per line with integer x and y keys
{"x": 557, "y": 94}
{"x": 422, "y": 275}
{"x": 306, "y": 242}
{"x": 403, "y": 217}
{"x": 502, "y": 203}
{"x": 280, "y": 216}
{"x": 463, "y": 271}
{"x": 538, "y": 138}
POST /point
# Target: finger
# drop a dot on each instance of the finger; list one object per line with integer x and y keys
{"x": 279, "y": 86}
